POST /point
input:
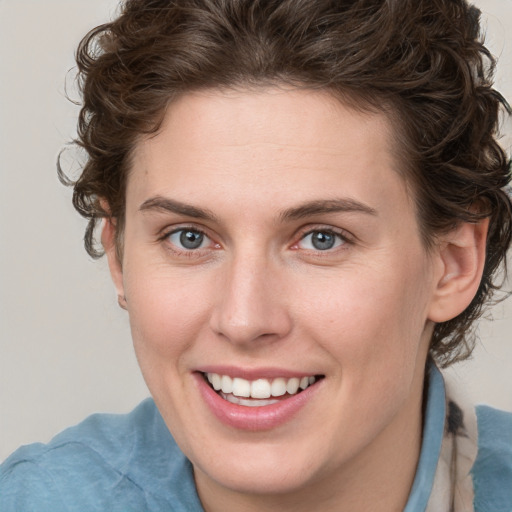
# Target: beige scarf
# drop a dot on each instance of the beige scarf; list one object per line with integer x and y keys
{"x": 453, "y": 485}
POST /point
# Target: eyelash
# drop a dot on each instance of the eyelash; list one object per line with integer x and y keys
{"x": 342, "y": 240}
{"x": 174, "y": 248}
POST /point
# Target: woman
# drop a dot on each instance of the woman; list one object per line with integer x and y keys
{"x": 303, "y": 213}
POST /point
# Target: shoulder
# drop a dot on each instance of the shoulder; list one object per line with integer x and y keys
{"x": 492, "y": 471}
{"x": 107, "y": 462}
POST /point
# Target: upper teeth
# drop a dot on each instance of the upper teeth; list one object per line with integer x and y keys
{"x": 260, "y": 388}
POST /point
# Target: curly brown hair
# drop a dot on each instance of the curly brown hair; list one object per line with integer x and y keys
{"x": 421, "y": 62}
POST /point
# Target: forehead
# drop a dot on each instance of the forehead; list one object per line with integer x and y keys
{"x": 281, "y": 144}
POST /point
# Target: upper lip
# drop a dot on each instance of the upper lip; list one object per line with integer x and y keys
{"x": 254, "y": 373}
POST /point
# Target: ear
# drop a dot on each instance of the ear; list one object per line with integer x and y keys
{"x": 108, "y": 240}
{"x": 461, "y": 259}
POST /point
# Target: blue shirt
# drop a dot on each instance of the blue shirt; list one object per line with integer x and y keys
{"x": 130, "y": 462}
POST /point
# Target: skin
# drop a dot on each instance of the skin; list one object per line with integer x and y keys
{"x": 258, "y": 294}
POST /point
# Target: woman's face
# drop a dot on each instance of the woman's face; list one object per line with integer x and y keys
{"x": 270, "y": 242}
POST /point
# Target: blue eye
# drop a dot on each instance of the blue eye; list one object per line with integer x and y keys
{"x": 321, "y": 240}
{"x": 188, "y": 239}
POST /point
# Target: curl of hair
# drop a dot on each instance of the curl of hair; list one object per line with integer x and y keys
{"x": 422, "y": 62}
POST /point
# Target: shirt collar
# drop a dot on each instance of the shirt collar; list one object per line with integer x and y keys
{"x": 433, "y": 429}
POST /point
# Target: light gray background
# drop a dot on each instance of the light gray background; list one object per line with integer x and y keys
{"x": 65, "y": 348}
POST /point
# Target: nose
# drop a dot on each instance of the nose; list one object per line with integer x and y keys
{"x": 251, "y": 302}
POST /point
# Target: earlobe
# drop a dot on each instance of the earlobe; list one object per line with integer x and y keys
{"x": 461, "y": 258}
{"x": 108, "y": 240}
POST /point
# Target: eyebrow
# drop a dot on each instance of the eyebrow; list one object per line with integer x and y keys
{"x": 311, "y": 208}
{"x": 326, "y": 206}
{"x": 163, "y": 204}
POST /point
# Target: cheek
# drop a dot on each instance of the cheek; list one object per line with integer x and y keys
{"x": 373, "y": 317}
{"x": 375, "y": 331}
{"x": 166, "y": 313}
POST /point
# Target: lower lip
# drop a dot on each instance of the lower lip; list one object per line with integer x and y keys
{"x": 265, "y": 417}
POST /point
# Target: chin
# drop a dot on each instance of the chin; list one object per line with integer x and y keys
{"x": 268, "y": 477}
{"x": 262, "y": 468}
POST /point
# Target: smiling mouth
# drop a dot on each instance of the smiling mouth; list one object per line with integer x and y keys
{"x": 259, "y": 392}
